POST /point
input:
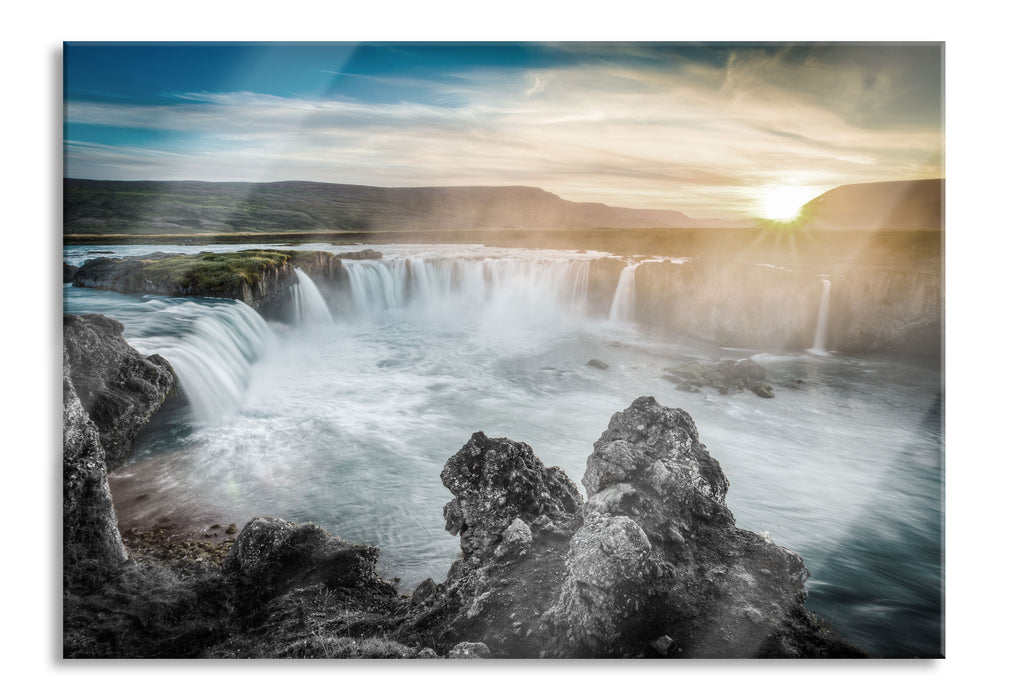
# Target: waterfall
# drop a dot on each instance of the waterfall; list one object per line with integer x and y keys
{"x": 309, "y": 306}
{"x": 820, "y": 339}
{"x": 622, "y": 309}
{"x": 211, "y": 347}
{"x": 485, "y": 285}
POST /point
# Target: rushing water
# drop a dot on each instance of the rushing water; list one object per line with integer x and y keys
{"x": 347, "y": 419}
{"x": 822, "y": 319}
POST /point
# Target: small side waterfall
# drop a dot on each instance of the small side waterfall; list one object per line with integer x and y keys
{"x": 309, "y": 306}
{"x": 820, "y": 339}
{"x": 622, "y": 308}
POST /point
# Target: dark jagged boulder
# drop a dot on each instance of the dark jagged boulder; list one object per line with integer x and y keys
{"x": 514, "y": 518}
{"x": 91, "y": 542}
{"x": 272, "y": 556}
{"x": 69, "y": 272}
{"x": 659, "y": 556}
{"x": 119, "y": 389}
{"x": 496, "y": 481}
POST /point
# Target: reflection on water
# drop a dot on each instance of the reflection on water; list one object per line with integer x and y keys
{"x": 349, "y": 424}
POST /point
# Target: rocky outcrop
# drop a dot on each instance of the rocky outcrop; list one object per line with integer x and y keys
{"x": 659, "y": 556}
{"x": 119, "y": 389}
{"x": 110, "y": 392}
{"x": 497, "y": 484}
{"x": 91, "y": 542}
{"x": 261, "y": 278}
{"x": 727, "y": 377}
{"x": 514, "y": 518}
{"x": 650, "y": 565}
{"x": 777, "y": 308}
{"x": 271, "y": 557}
{"x": 69, "y": 272}
{"x": 367, "y": 254}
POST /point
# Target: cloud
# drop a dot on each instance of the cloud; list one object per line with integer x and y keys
{"x": 705, "y": 138}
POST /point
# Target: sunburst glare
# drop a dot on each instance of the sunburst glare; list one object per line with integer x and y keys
{"x": 783, "y": 203}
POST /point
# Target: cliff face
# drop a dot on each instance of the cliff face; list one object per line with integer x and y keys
{"x": 773, "y": 308}
{"x": 110, "y": 392}
{"x": 118, "y": 388}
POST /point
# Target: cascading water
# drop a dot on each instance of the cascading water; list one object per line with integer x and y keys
{"x": 624, "y": 299}
{"x": 484, "y": 286}
{"x": 309, "y": 306}
{"x": 820, "y": 339}
{"x": 211, "y": 343}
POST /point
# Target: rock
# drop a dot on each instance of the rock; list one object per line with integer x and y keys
{"x": 598, "y": 364}
{"x": 367, "y": 254}
{"x": 92, "y": 545}
{"x": 515, "y": 540}
{"x": 663, "y": 645}
{"x": 424, "y": 592}
{"x": 69, "y": 271}
{"x": 659, "y": 553}
{"x": 495, "y": 481}
{"x": 119, "y": 388}
{"x": 500, "y": 587}
{"x": 608, "y": 577}
{"x": 272, "y": 556}
{"x": 469, "y": 650}
{"x": 727, "y": 377}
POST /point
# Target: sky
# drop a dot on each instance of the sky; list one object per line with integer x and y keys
{"x": 709, "y": 129}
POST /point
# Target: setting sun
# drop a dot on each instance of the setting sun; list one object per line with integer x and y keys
{"x": 784, "y": 203}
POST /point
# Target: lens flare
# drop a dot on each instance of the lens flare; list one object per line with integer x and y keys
{"x": 785, "y": 203}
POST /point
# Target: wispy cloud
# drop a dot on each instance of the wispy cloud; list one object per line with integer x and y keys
{"x": 705, "y": 139}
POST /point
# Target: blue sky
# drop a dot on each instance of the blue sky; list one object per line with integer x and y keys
{"x": 708, "y": 129}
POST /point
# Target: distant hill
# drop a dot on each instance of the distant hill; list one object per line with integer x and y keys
{"x": 140, "y": 207}
{"x": 910, "y": 204}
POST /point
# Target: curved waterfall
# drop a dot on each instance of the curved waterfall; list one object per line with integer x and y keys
{"x": 213, "y": 356}
{"x": 443, "y": 285}
{"x": 211, "y": 343}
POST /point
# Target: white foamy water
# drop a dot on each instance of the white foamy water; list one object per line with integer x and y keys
{"x": 309, "y": 306}
{"x": 822, "y": 317}
{"x": 348, "y": 424}
{"x": 622, "y": 308}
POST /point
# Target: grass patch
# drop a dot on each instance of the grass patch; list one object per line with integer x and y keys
{"x": 217, "y": 272}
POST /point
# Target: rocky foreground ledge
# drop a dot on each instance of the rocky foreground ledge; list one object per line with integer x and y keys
{"x": 650, "y": 565}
